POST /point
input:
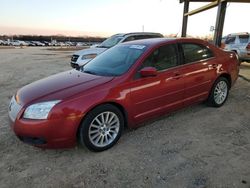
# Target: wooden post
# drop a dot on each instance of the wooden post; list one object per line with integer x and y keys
{"x": 185, "y": 19}
{"x": 221, "y": 13}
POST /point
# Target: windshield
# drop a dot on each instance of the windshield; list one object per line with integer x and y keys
{"x": 110, "y": 42}
{"x": 115, "y": 61}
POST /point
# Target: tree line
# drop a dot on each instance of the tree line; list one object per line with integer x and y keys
{"x": 58, "y": 38}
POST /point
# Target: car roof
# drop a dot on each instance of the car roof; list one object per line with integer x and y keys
{"x": 235, "y": 34}
{"x": 159, "y": 41}
{"x": 138, "y": 33}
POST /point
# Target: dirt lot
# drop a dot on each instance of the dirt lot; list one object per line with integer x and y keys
{"x": 196, "y": 147}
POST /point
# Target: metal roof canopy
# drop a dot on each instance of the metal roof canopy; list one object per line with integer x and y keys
{"x": 222, "y": 7}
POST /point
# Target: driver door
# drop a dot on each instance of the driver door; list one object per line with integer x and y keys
{"x": 152, "y": 96}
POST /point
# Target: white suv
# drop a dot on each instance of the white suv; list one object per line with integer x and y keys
{"x": 82, "y": 57}
{"x": 240, "y": 44}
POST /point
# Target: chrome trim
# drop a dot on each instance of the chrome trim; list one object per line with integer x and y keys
{"x": 13, "y": 109}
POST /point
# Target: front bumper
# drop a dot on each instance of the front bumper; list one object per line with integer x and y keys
{"x": 49, "y": 133}
{"x": 58, "y": 133}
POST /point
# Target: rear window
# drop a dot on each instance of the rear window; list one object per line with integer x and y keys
{"x": 195, "y": 52}
{"x": 244, "y": 38}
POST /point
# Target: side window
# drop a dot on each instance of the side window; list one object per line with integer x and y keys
{"x": 146, "y": 37}
{"x": 195, "y": 52}
{"x": 162, "y": 58}
{"x": 230, "y": 40}
{"x": 135, "y": 37}
{"x": 131, "y": 38}
{"x": 139, "y": 37}
{"x": 153, "y": 36}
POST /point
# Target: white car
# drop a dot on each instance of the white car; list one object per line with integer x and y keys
{"x": 18, "y": 43}
{"x": 95, "y": 45}
{"x": 37, "y": 43}
{"x": 80, "y": 58}
{"x": 1, "y": 42}
{"x": 240, "y": 44}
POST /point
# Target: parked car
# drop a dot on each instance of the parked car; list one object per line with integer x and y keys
{"x": 61, "y": 44}
{"x": 122, "y": 87}
{"x": 95, "y": 45}
{"x": 31, "y": 43}
{"x": 82, "y": 57}
{"x": 240, "y": 44}
{"x": 4, "y": 42}
{"x": 18, "y": 43}
{"x": 80, "y": 44}
{"x": 46, "y": 43}
{"x": 38, "y": 43}
{"x": 1, "y": 42}
{"x": 68, "y": 43}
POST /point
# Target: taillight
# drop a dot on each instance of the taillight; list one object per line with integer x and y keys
{"x": 248, "y": 46}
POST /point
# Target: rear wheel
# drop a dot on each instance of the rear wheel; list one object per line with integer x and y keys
{"x": 101, "y": 128}
{"x": 219, "y": 92}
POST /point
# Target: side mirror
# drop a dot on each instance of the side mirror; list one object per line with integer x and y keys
{"x": 148, "y": 71}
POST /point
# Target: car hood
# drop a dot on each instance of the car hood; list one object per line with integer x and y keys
{"x": 59, "y": 87}
{"x": 81, "y": 53}
{"x": 90, "y": 51}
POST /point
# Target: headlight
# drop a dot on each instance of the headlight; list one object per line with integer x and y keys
{"x": 89, "y": 56}
{"x": 39, "y": 110}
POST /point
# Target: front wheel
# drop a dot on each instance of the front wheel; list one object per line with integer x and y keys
{"x": 101, "y": 128}
{"x": 219, "y": 92}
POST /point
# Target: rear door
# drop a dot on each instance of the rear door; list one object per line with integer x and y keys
{"x": 199, "y": 70}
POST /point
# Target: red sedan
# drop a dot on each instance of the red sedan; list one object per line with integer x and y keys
{"x": 126, "y": 85}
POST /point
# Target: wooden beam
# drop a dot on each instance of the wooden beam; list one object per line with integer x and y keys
{"x": 231, "y": 1}
{"x": 220, "y": 23}
{"x": 185, "y": 19}
{"x": 203, "y": 8}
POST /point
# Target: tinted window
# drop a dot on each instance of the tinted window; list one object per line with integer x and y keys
{"x": 115, "y": 61}
{"x": 230, "y": 40}
{"x": 131, "y": 38}
{"x": 163, "y": 58}
{"x": 140, "y": 37}
{"x": 244, "y": 38}
{"x": 195, "y": 52}
{"x": 108, "y": 43}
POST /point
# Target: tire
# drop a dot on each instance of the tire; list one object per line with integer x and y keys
{"x": 219, "y": 92}
{"x": 101, "y": 128}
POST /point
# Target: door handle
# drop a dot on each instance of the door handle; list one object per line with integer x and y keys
{"x": 177, "y": 76}
{"x": 213, "y": 66}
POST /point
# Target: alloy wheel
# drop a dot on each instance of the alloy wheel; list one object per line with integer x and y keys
{"x": 220, "y": 92}
{"x": 104, "y": 129}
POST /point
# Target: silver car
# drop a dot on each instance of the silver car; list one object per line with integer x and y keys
{"x": 240, "y": 44}
{"x": 82, "y": 57}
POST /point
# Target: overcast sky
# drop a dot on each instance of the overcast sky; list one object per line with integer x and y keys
{"x": 107, "y": 17}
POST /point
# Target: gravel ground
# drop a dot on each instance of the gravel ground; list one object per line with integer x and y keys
{"x": 195, "y": 147}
